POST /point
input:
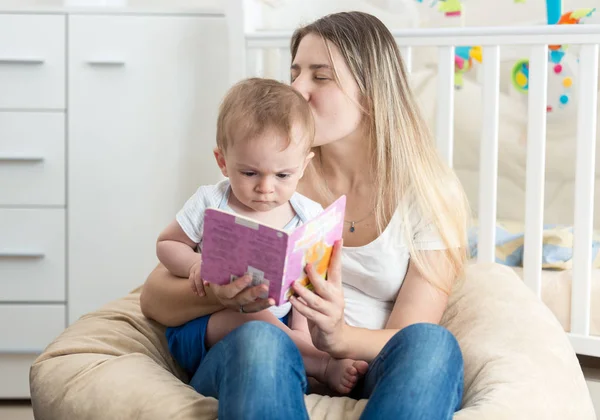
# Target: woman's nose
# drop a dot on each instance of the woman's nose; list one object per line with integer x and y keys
{"x": 302, "y": 87}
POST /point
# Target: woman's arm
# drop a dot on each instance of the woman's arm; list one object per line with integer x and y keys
{"x": 169, "y": 300}
{"x": 417, "y": 302}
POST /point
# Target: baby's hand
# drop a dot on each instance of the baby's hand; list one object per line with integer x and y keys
{"x": 195, "y": 280}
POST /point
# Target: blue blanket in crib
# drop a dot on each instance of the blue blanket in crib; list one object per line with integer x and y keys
{"x": 557, "y": 245}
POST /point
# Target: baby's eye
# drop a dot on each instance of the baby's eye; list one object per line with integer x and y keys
{"x": 283, "y": 176}
{"x": 248, "y": 173}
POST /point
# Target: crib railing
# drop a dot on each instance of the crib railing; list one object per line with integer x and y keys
{"x": 538, "y": 38}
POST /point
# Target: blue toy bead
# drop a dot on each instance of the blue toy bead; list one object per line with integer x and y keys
{"x": 556, "y": 56}
{"x": 564, "y": 99}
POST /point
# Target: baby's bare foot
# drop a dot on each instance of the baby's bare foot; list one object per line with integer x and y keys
{"x": 341, "y": 375}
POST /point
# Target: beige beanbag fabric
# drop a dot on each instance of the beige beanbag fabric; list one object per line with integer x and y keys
{"x": 114, "y": 363}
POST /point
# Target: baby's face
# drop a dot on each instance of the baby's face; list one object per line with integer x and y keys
{"x": 262, "y": 175}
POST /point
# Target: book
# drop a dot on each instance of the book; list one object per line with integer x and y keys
{"x": 234, "y": 245}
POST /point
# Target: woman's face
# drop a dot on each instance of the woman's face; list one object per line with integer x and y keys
{"x": 336, "y": 111}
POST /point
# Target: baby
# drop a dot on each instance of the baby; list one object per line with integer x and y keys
{"x": 265, "y": 132}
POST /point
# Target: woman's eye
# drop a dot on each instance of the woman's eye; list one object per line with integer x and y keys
{"x": 321, "y": 78}
{"x": 283, "y": 176}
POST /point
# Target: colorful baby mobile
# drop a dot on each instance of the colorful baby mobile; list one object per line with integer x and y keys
{"x": 463, "y": 58}
{"x": 463, "y": 62}
{"x": 561, "y": 65}
{"x": 520, "y": 76}
{"x": 450, "y": 8}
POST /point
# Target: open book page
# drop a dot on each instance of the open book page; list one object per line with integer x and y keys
{"x": 313, "y": 243}
{"x": 233, "y": 246}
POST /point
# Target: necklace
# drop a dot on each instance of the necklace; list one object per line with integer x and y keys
{"x": 352, "y": 223}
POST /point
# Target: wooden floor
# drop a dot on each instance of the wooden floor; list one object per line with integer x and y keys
{"x": 15, "y": 410}
{"x": 591, "y": 370}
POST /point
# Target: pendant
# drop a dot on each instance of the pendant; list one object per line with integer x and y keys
{"x": 351, "y": 226}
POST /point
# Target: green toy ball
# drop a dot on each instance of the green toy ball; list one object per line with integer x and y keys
{"x": 520, "y": 76}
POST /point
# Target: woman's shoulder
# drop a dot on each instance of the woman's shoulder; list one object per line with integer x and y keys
{"x": 418, "y": 226}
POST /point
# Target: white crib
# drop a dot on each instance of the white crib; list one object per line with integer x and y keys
{"x": 260, "y": 50}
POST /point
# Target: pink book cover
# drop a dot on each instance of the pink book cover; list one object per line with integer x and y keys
{"x": 234, "y": 245}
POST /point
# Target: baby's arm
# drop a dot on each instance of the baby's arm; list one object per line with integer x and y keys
{"x": 300, "y": 323}
{"x": 176, "y": 251}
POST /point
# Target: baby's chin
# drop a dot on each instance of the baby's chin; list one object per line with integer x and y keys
{"x": 263, "y": 206}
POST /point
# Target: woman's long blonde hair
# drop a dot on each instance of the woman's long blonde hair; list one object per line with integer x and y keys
{"x": 408, "y": 172}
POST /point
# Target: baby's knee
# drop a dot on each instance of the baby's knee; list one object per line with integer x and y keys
{"x": 261, "y": 338}
{"x": 260, "y": 335}
{"x": 255, "y": 329}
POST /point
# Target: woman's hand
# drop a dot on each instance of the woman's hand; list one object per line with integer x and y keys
{"x": 238, "y": 297}
{"x": 324, "y": 309}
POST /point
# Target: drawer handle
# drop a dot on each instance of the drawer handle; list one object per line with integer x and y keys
{"x": 20, "y": 60}
{"x": 22, "y": 254}
{"x": 106, "y": 63}
{"x": 24, "y": 159}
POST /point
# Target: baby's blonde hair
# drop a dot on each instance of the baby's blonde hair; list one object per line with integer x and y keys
{"x": 255, "y": 105}
{"x": 408, "y": 172}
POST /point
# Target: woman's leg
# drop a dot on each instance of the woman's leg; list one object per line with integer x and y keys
{"x": 256, "y": 372}
{"x": 417, "y": 375}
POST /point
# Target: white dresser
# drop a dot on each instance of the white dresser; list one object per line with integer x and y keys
{"x": 107, "y": 123}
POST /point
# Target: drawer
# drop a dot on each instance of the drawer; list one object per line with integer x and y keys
{"x": 32, "y": 158}
{"x": 28, "y": 329}
{"x": 14, "y": 381}
{"x": 32, "y": 255}
{"x": 32, "y": 61}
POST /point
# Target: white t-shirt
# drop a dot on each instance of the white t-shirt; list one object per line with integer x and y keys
{"x": 191, "y": 217}
{"x": 372, "y": 274}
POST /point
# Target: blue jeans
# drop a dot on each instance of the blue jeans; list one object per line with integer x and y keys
{"x": 257, "y": 372}
{"x": 187, "y": 342}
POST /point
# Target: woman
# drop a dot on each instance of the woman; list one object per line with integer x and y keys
{"x": 406, "y": 226}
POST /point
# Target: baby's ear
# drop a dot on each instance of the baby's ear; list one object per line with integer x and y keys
{"x": 220, "y": 158}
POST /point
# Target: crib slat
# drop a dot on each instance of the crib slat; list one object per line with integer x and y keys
{"x": 536, "y": 153}
{"x": 584, "y": 189}
{"x": 488, "y": 166}
{"x": 445, "y": 103}
{"x": 255, "y": 62}
{"x": 406, "y": 54}
{"x": 285, "y": 61}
